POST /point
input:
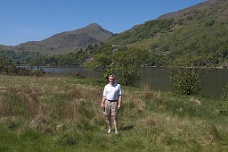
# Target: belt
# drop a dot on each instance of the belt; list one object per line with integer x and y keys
{"x": 112, "y": 100}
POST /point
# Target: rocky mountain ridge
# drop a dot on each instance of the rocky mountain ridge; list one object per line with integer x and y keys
{"x": 65, "y": 42}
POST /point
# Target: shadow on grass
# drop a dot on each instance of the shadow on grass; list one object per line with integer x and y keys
{"x": 126, "y": 128}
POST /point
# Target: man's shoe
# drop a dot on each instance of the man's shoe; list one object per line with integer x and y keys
{"x": 109, "y": 131}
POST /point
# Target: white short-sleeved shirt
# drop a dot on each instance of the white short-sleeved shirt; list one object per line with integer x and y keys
{"x": 112, "y": 92}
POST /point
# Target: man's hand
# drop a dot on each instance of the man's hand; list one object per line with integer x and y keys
{"x": 118, "y": 107}
{"x": 103, "y": 102}
{"x": 102, "y": 105}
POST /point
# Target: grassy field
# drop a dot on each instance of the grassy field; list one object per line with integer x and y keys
{"x": 63, "y": 114}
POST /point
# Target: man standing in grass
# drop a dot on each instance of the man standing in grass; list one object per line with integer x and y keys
{"x": 111, "y": 102}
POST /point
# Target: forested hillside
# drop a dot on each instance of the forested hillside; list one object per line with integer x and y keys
{"x": 200, "y": 31}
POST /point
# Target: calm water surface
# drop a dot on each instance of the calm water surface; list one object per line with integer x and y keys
{"x": 157, "y": 78}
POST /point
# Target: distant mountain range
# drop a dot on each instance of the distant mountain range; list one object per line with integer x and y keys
{"x": 198, "y": 31}
{"x": 65, "y": 42}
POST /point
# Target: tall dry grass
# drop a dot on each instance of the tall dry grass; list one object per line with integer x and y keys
{"x": 49, "y": 102}
{"x": 68, "y": 110}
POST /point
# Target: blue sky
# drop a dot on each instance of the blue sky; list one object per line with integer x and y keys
{"x": 34, "y": 20}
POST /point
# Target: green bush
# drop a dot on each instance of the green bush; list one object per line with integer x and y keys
{"x": 187, "y": 76}
{"x": 223, "y": 108}
{"x": 187, "y": 80}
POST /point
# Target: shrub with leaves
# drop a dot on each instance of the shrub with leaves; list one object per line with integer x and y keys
{"x": 223, "y": 108}
{"x": 187, "y": 77}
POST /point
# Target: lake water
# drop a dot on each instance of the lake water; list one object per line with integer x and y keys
{"x": 157, "y": 78}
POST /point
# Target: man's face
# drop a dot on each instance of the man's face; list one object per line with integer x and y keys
{"x": 111, "y": 80}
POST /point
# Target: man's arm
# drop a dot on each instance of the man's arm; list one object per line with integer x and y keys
{"x": 119, "y": 101}
{"x": 103, "y": 102}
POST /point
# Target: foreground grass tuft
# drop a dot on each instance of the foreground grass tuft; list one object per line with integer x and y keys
{"x": 63, "y": 114}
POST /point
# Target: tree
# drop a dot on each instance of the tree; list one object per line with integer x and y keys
{"x": 126, "y": 63}
{"x": 2, "y": 63}
{"x": 187, "y": 76}
{"x": 101, "y": 62}
{"x": 123, "y": 62}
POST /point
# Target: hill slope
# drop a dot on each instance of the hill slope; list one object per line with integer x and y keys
{"x": 200, "y": 30}
{"x": 66, "y": 42}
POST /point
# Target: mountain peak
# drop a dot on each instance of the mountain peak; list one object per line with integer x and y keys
{"x": 93, "y": 25}
{"x": 68, "y": 41}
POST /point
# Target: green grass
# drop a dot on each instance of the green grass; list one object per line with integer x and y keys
{"x": 63, "y": 114}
